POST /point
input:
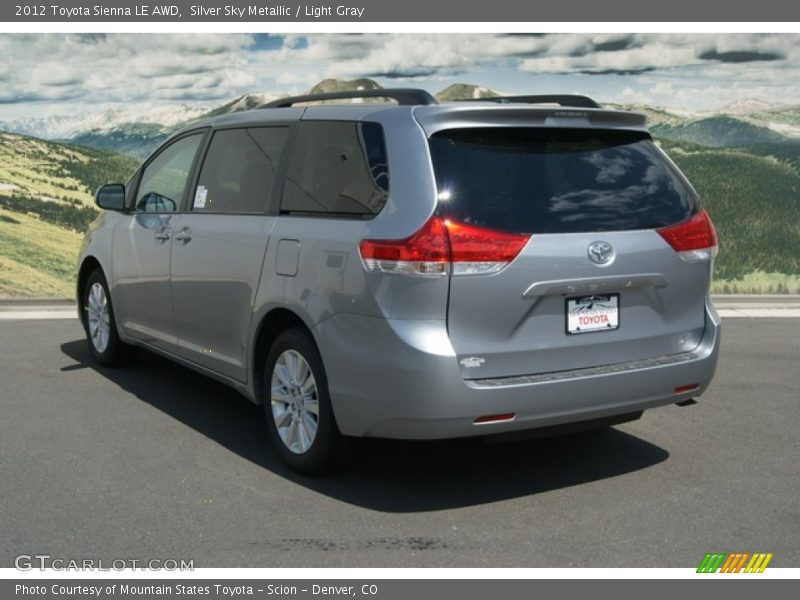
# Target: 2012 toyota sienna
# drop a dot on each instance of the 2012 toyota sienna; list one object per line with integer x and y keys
{"x": 411, "y": 269}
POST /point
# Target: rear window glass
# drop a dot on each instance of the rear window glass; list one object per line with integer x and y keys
{"x": 337, "y": 169}
{"x": 547, "y": 180}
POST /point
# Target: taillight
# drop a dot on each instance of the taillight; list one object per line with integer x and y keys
{"x": 424, "y": 253}
{"x": 440, "y": 243}
{"x": 693, "y": 239}
{"x": 480, "y": 251}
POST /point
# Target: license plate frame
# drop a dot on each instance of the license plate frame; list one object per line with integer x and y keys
{"x": 602, "y": 309}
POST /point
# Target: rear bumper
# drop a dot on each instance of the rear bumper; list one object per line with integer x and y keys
{"x": 400, "y": 379}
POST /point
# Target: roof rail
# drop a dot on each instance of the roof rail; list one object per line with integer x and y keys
{"x": 403, "y": 96}
{"x": 561, "y": 99}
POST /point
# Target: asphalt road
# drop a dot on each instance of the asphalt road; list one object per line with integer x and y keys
{"x": 154, "y": 461}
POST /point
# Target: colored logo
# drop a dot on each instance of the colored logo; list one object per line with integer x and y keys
{"x": 737, "y": 562}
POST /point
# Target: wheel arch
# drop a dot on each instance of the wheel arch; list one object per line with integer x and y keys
{"x": 88, "y": 266}
{"x": 271, "y": 325}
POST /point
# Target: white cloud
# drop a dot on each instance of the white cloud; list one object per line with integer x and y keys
{"x": 141, "y": 68}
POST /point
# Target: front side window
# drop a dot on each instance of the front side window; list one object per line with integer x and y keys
{"x": 337, "y": 169}
{"x": 164, "y": 180}
{"x": 239, "y": 170}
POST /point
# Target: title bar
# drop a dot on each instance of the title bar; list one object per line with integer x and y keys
{"x": 443, "y": 11}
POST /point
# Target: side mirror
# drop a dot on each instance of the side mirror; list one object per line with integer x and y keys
{"x": 111, "y": 196}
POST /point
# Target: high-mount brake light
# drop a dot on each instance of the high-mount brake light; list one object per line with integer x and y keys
{"x": 441, "y": 246}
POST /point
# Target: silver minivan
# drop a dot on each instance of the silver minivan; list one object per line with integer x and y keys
{"x": 409, "y": 269}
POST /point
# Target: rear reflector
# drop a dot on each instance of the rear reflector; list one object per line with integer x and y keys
{"x": 440, "y": 244}
{"x": 682, "y": 389}
{"x": 494, "y": 418}
{"x": 694, "y": 239}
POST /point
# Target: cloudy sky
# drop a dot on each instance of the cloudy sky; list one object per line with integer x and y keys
{"x": 48, "y": 74}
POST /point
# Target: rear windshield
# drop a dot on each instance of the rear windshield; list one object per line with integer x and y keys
{"x": 547, "y": 180}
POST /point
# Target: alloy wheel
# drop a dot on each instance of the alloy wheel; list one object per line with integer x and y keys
{"x": 98, "y": 317}
{"x": 295, "y": 401}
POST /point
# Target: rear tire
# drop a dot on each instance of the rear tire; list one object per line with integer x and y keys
{"x": 99, "y": 324}
{"x": 297, "y": 406}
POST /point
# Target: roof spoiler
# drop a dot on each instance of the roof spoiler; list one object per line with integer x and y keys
{"x": 572, "y": 100}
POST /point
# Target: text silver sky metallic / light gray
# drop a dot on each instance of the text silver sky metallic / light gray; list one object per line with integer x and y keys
{"x": 411, "y": 270}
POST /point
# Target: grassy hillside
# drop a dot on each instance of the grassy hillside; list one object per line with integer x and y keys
{"x": 60, "y": 173}
{"x": 754, "y": 202}
{"x": 46, "y": 202}
{"x": 134, "y": 139}
{"x": 37, "y": 259}
{"x": 787, "y": 152}
{"x": 718, "y": 132}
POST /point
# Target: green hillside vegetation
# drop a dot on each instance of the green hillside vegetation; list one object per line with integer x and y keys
{"x": 788, "y": 115}
{"x": 134, "y": 139}
{"x": 754, "y": 202}
{"x": 46, "y": 202}
{"x": 655, "y": 116}
{"x": 787, "y": 152}
{"x": 717, "y": 132}
{"x": 37, "y": 259}
{"x": 758, "y": 282}
{"x": 56, "y": 172}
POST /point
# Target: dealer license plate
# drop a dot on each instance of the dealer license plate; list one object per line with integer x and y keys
{"x": 592, "y": 313}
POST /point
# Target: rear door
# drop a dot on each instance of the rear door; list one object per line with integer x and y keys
{"x": 596, "y": 283}
{"x": 220, "y": 243}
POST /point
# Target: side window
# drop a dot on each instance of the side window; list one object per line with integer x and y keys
{"x": 164, "y": 180}
{"x": 239, "y": 170}
{"x": 337, "y": 168}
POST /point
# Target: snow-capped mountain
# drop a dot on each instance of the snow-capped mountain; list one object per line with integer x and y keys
{"x": 68, "y": 126}
{"x": 246, "y": 102}
{"x": 137, "y": 130}
{"x": 750, "y": 106}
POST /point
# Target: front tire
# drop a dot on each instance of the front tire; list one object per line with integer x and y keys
{"x": 98, "y": 321}
{"x": 297, "y": 406}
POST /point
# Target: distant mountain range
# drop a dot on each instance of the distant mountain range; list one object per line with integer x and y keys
{"x": 744, "y": 161}
{"x": 138, "y": 131}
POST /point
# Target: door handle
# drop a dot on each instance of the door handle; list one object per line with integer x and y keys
{"x": 184, "y": 235}
{"x": 162, "y": 235}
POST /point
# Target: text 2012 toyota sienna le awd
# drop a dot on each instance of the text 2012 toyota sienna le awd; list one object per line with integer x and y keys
{"x": 411, "y": 270}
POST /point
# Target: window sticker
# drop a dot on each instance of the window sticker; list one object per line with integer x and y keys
{"x": 200, "y": 196}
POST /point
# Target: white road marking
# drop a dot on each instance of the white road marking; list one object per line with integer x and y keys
{"x": 734, "y": 310}
{"x": 758, "y": 313}
{"x": 37, "y": 314}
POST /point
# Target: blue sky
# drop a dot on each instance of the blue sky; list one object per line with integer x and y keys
{"x": 51, "y": 74}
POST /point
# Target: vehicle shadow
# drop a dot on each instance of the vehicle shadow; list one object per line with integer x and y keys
{"x": 383, "y": 475}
